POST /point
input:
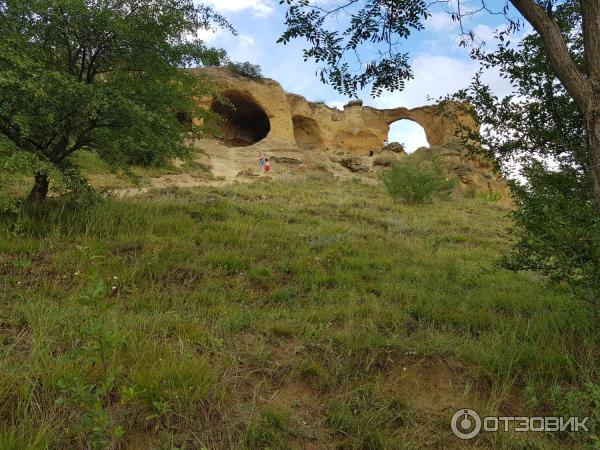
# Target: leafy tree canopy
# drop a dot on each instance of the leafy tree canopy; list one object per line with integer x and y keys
{"x": 104, "y": 75}
{"x": 359, "y": 42}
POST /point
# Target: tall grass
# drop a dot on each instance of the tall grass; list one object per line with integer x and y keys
{"x": 277, "y": 315}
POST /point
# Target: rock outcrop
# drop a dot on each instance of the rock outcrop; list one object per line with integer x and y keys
{"x": 261, "y": 114}
{"x": 352, "y": 103}
{"x": 354, "y": 164}
{"x": 386, "y": 158}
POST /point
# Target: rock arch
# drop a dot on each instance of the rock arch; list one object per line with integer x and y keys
{"x": 307, "y": 132}
{"x": 265, "y": 112}
{"x": 244, "y": 122}
{"x": 409, "y": 133}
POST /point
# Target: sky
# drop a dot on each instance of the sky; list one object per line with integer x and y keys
{"x": 439, "y": 65}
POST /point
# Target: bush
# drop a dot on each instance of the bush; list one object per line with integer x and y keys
{"x": 417, "y": 181}
{"x": 246, "y": 69}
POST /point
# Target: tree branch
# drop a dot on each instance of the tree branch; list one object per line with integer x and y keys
{"x": 590, "y": 10}
{"x": 574, "y": 81}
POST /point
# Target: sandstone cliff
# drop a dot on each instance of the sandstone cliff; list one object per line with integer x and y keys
{"x": 261, "y": 114}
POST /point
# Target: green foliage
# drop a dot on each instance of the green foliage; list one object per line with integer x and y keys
{"x": 89, "y": 401}
{"x": 359, "y": 42}
{"x": 104, "y": 76}
{"x": 245, "y": 69}
{"x": 417, "y": 181}
{"x": 540, "y": 127}
{"x": 375, "y": 22}
{"x": 558, "y": 231}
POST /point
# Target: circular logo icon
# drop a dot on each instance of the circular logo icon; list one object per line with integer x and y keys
{"x": 465, "y": 424}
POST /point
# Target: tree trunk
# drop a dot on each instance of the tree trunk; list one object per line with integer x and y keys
{"x": 583, "y": 87}
{"x": 593, "y": 144}
{"x": 40, "y": 188}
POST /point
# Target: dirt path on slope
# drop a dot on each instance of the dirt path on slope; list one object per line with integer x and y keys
{"x": 237, "y": 165}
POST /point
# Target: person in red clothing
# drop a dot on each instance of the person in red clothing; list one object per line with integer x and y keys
{"x": 267, "y": 165}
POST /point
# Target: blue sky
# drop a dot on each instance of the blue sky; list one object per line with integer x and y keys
{"x": 440, "y": 66}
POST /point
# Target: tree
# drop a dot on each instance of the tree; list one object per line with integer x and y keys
{"x": 540, "y": 128}
{"x": 104, "y": 75}
{"x": 386, "y": 22}
{"x": 245, "y": 69}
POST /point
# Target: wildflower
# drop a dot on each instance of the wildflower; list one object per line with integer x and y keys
{"x": 114, "y": 287}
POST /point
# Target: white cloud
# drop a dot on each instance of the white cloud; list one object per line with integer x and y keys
{"x": 436, "y": 76}
{"x": 258, "y": 7}
{"x": 484, "y": 33}
{"x": 208, "y": 35}
{"x": 336, "y": 104}
{"x": 246, "y": 41}
{"x": 440, "y": 22}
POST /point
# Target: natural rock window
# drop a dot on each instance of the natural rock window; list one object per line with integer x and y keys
{"x": 244, "y": 122}
{"x": 408, "y": 133}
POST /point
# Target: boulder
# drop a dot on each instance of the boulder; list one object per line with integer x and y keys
{"x": 395, "y": 147}
{"x": 351, "y": 103}
{"x": 247, "y": 173}
{"x": 354, "y": 164}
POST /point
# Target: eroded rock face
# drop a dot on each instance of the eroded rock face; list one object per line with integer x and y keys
{"x": 475, "y": 174}
{"x": 263, "y": 115}
{"x": 246, "y": 123}
{"x": 286, "y": 160}
{"x": 295, "y": 121}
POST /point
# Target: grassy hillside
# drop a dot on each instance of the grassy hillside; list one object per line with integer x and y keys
{"x": 299, "y": 314}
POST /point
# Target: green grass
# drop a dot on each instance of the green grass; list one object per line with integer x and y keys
{"x": 103, "y": 177}
{"x": 308, "y": 314}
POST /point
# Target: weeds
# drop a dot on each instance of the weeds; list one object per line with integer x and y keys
{"x": 277, "y": 315}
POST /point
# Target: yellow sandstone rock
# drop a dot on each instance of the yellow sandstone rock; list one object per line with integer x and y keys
{"x": 266, "y": 117}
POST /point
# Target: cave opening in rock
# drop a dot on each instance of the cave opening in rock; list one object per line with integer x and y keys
{"x": 307, "y": 133}
{"x": 408, "y": 133}
{"x": 244, "y": 121}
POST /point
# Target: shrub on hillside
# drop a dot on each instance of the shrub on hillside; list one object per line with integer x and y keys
{"x": 245, "y": 69}
{"x": 417, "y": 181}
